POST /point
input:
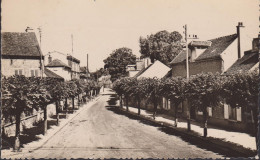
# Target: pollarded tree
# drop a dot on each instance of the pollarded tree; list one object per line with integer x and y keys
{"x": 71, "y": 91}
{"x": 174, "y": 89}
{"x": 117, "y": 61}
{"x": 118, "y": 87}
{"x": 203, "y": 91}
{"x": 241, "y": 90}
{"x": 163, "y": 46}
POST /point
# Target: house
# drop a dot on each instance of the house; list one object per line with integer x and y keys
{"x": 156, "y": 69}
{"x": 21, "y": 54}
{"x": 141, "y": 63}
{"x": 64, "y": 65}
{"x": 222, "y": 55}
{"x": 84, "y": 73}
{"x": 59, "y": 68}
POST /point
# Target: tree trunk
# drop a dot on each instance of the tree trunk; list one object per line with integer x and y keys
{"x": 126, "y": 102}
{"x": 176, "y": 115}
{"x": 73, "y": 106}
{"x": 139, "y": 106}
{"x": 45, "y": 120}
{"x": 17, "y": 131}
{"x": 121, "y": 103}
{"x": 205, "y": 121}
{"x": 78, "y": 100}
{"x": 255, "y": 117}
{"x": 188, "y": 118}
{"x": 155, "y": 107}
{"x": 57, "y": 113}
{"x": 66, "y": 107}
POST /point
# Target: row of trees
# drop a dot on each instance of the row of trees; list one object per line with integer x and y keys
{"x": 202, "y": 91}
{"x": 20, "y": 93}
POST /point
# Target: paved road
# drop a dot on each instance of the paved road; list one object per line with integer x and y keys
{"x": 100, "y": 133}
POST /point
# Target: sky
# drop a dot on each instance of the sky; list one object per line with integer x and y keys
{"x": 101, "y": 26}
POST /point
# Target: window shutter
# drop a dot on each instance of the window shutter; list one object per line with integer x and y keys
{"x": 210, "y": 111}
{"x": 16, "y": 72}
{"x": 20, "y": 72}
{"x": 239, "y": 118}
{"x": 226, "y": 111}
{"x": 32, "y": 73}
{"x": 36, "y": 73}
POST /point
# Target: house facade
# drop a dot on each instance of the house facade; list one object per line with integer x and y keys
{"x": 64, "y": 65}
{"x": 221, "y": 55}
{"x": 21, "y": 54}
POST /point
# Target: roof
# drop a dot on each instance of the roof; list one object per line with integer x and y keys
{"x": 181, "y": 57}
{"x": 73, "y": 59}
{"x": 49, "y": 73}
{"x": 218, "y": 45}
{"x": 200, "y": 44}
{"x": 157, "y": 69}
{"x": 21, "y": 44}
{"x": 57, "y": 63}
{"x": 247, "y": 62}
{"x": 142, "y": 71}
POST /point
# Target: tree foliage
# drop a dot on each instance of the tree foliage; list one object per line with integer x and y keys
{"x": 118, "y": 60}
{"x": 163, "y": 46}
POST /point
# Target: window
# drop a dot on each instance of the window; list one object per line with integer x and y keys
{"x": 18, "y": 71}
{"x": 11, "y": 62}
{"x": 232, "y": 113}
{"x": 34, "y": 73}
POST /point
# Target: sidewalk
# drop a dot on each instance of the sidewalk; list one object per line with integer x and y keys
{"x": 50, "y": 132}
{"x": 242, "y": 139}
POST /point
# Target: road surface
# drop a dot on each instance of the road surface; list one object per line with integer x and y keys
{"x": 97, "y": 132}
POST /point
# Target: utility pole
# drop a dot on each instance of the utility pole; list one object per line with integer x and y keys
{"x": 187, "y": 68}
{"x": 72, "y": 43}
{"x": 42, "y": 65}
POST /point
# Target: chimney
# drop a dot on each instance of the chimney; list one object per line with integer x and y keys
{"x": 49, "y": 59}
{"x": 240, "y": 39}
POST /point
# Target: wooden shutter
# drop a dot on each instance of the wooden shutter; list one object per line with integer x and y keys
{"x": 239, "y": 117}
{"x": 226, "y": 115}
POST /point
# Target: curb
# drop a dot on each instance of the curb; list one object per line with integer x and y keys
{"x": 215, "y": 144}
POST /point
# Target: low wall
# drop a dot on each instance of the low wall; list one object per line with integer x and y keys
{"x": 29, "y": 121}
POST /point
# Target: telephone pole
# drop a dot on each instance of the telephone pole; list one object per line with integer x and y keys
{"x": 187, "y": 68}
{"x": 42, "y": 65}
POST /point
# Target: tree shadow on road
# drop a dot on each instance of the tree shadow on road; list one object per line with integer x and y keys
{"x": 181, "y": 133}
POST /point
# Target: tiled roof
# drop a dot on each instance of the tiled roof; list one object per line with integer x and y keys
{"x": 49, "y": 73}
{"x": 57, "y": 63}
{"x": 249, "y": 60}
{"x": 157, "y": 69}
{"x": 20, "y": 44}
{"x": 181, "y": 57}
{"x": 218, "y": 45}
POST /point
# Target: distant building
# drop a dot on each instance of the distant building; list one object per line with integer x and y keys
{"x": 64, "y": 65}
{"x": 133, "y": 69}
{"x": 84, "y": 73}
{"x": 21, "y": 54}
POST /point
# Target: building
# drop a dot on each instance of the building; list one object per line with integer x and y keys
{"x": 21, "y": 54}
{"x": 59, "y": 68}
{"x": 84, "y": 73}
{"x": 133, "y": 69}
{"x": 222, "y": 55}
{"x": 64, "y": 65}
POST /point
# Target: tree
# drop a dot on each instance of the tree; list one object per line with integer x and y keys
{"x": 174, "y": 89}
{"x": 241, "y": 90}
{"x": 162, "y": 46}
{"x": 203, "y": 91}
{"x": 117, "y": 61}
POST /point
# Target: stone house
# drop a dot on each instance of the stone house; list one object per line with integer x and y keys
{"x": 21, "y": 54}
{"x": 63, "y": 65}
{"x": 222, "y": 55}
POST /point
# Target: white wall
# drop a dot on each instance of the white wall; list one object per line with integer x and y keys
{"x": 61, "y": 72}
{"x": 230, "y": 55}
{"x": 26, "y": 65}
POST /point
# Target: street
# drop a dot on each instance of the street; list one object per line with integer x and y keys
{"x": 97, "y": 132}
